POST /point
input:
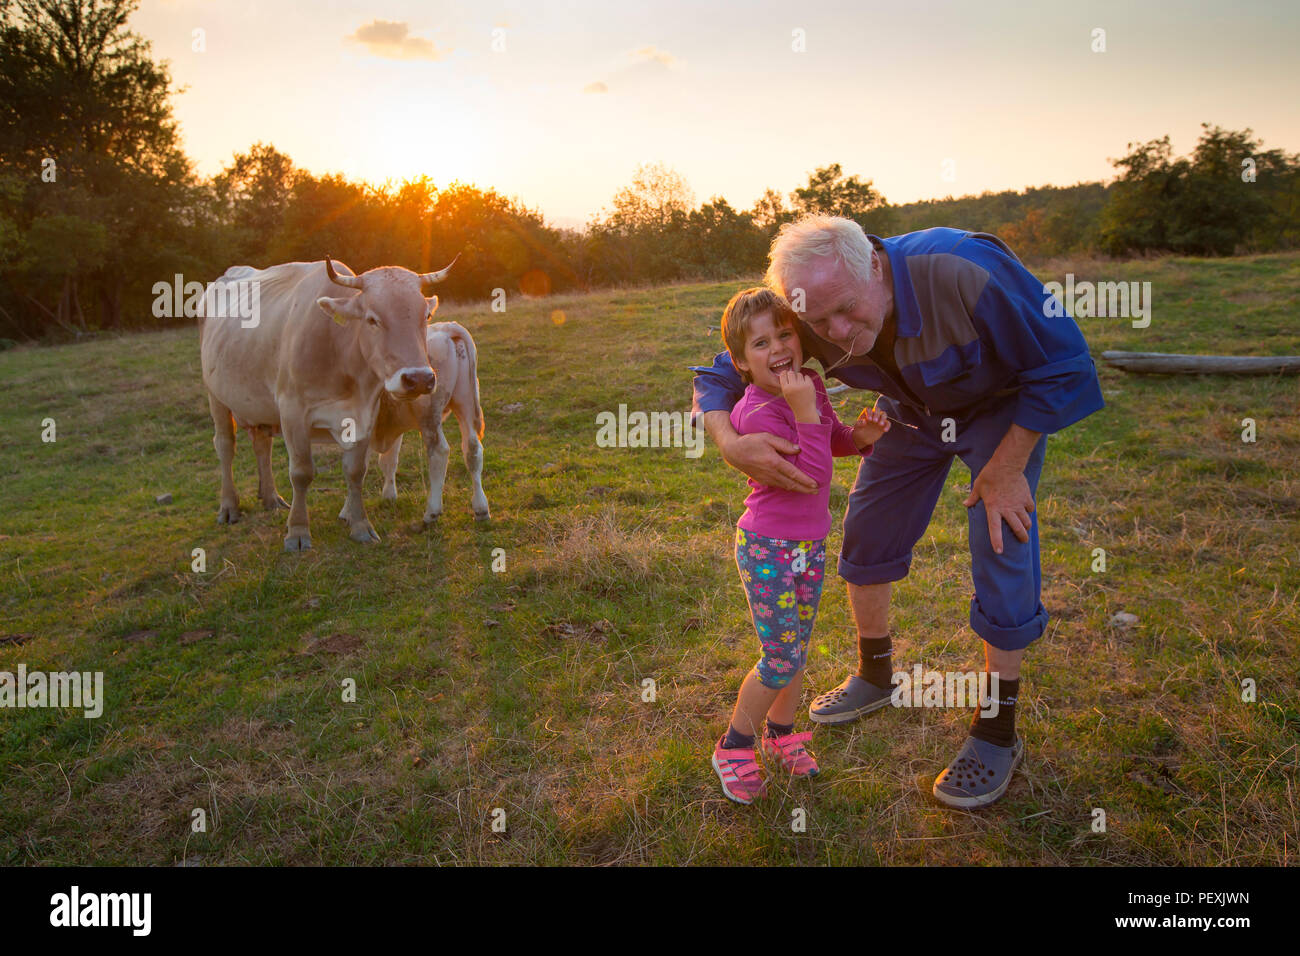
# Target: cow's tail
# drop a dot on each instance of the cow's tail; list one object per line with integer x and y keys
{"x": 460, "y": 336}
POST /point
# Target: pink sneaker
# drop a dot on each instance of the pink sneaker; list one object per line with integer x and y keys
{"x": 790, "y": 751}
{"x": 742, "y": 779}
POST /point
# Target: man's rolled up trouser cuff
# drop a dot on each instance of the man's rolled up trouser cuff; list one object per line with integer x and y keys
{"x": 1008, "y": 638}
{"x": 882, "y": 573}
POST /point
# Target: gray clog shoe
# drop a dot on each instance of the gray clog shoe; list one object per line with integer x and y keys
{"x": 978, "y": 775}
{"x": 853, "y": 698}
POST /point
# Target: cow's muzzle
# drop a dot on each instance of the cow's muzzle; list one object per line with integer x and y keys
{"x": 412, "y": 382}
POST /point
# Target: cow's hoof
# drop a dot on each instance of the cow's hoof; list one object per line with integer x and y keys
{"x": 229, "y": 514}
{"x": 431, "y": 517}
{"x": 271, "y": 504}
{"x": 297, "y": 542}
{"x": 482, "y": 515}
{"x": 365, "y": 534}
{"x": 388, "y": 495}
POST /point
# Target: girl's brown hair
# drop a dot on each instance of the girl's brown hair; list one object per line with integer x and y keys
{"x": 740, "y": 313}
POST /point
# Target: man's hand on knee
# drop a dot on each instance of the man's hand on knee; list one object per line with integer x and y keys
{"x": 1003, "y": 487}
{"x": 1006, "y": 497}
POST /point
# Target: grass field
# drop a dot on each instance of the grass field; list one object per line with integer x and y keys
{"x": 521, "y": 690}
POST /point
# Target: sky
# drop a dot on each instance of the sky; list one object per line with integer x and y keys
{"x": 557, "y": 103}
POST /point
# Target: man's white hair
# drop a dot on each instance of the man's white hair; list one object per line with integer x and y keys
{"x": 798, "y": 242}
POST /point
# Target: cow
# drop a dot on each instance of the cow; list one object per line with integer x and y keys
{"x": 290, "y": 371}
{"x": 455, "y": 361}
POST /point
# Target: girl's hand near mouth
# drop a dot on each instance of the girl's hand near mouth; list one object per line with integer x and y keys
{"x": 801, "y": 395}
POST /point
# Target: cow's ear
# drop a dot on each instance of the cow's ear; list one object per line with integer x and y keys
{"x": 340, "y": 310}
{"x": 433, "y": 307}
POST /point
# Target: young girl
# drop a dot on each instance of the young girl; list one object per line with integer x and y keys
{"x": 780, "y": 551}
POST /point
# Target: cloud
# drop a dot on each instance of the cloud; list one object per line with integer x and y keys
{"x": 635, "y": 67}
{"x": 392, "y": 40}
{"x": 651, "y": 54}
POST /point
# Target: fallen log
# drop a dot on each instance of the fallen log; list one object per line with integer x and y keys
{"x": 1161, "y": 363}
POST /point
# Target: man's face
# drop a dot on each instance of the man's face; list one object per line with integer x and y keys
{"x": 840, "y": 307}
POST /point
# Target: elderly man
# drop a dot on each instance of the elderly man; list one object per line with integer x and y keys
{"x": 957, "y": 337}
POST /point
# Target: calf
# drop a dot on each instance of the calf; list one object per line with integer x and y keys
{"x": 455, "y": 362}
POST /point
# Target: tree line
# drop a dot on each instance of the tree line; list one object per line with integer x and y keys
{"x": 98, "y": 201}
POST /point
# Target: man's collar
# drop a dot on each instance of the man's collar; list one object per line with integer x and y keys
{"x": 906, "y": 311}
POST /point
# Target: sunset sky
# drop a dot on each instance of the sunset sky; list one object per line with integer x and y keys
{"x": 584, "y": 91}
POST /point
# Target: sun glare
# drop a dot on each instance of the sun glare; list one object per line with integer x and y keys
{"x": 406, "y": 141}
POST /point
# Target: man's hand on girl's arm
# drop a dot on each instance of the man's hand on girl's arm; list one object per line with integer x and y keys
{"x": 758, "y": 455}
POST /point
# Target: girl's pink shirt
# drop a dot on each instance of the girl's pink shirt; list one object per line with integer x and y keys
{"x": 774, "y": 512}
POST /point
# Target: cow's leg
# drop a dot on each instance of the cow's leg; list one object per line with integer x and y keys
{"x": 388, "y": 465}
{"x": 265, "y": 479}
{"x": 297, "y": 440}
{"x": 472, "y": 451}
{"x": 435, "y": 444}
{"x": 354, "y": 508}
{"x": 223, "y": 439}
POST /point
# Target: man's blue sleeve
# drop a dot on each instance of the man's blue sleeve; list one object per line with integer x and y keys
{"x": 1057, "y": 377}
{"x": 717, "y": 387}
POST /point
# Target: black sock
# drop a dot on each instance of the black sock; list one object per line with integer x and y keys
{"x": 1001, "y": 728}
{"x": 736, "y": 739}
{"x": 875, "y": 660}
{"x": 779, "y": 730}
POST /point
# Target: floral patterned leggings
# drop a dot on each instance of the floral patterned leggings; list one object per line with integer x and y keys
{"x": 783, "y": 582}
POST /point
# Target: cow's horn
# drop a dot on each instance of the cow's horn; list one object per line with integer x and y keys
{"x": 352, "y": 282}
{"x": 429, "y": 279}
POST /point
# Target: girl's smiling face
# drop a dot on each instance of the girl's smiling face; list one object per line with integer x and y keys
{"x": 770, "y": 350}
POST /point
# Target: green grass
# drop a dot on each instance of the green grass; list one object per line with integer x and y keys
{"x": 521, "y": 690}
